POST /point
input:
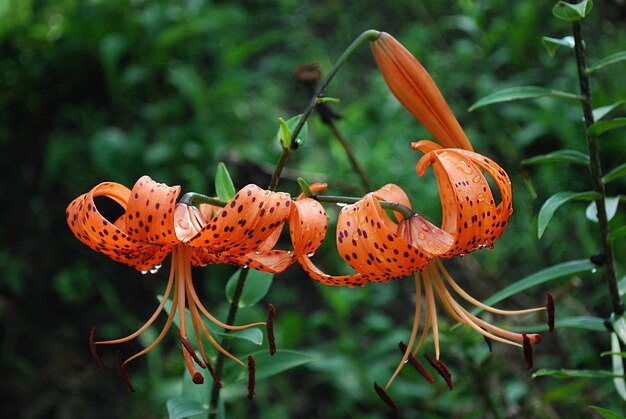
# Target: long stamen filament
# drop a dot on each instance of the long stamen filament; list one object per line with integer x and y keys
{"x": 425, "y": 332}
{"x": 430, "y": 306}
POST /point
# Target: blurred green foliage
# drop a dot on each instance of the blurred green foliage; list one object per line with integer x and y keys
{"x": 114, "y": 89}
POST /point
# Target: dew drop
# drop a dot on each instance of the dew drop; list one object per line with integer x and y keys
{"x": 183, "y": 224}
{"x": 310, "y": 255}
{"x": 464, "y": 167}
{"x": 341, "y": 204}
{"x": 144, "y": 272}
{"x": 155, "y": 269}
{"x": 355, "y": 236}
{"x": 480, "y": 197}
{"x": 421, "y": 236}
{"x": 476, "y": 179}
{"x": 594, "y": 270}
{"x": 283, "y": 196}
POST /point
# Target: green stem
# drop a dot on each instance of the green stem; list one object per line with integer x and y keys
{"x": 392, "y": 206}
{"x": 355, "y": 163}
{"x": 191, "y": 198}
{"x": 279, "y": 168}
{"x": 595, "y": 169}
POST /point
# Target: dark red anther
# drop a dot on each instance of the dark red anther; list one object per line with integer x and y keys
{"x": 123, "y": 374}
{"x": 488, "y": 341}
{"x": 94, "y": 350}
{"x": 216, "y": 379}
{"x": 528, "y": 351}
{"x": 251, "y": 377}
{"x": 550, "y": 309}
{"x": 441, "y": 369}
{"x": 271, "y": 313}
{"x": 385, "y": 397}
{"x": 197, "y": 378}
{"x": 416, "y": 364}
{"x": 191, "y": 351}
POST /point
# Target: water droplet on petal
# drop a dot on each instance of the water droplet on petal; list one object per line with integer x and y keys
{"x": 421, "y": 236}
{"x": 341, "y": 204}
{"x": 476, "y": 179}
{"x": 155, "y": 269}
{"x": 480, "y": 197}
{"x": 310, "y": 255}
{"x": 144, "y": 272}
{"x": 464, "y": 167}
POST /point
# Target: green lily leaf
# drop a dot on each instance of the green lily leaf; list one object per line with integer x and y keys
{"x": 594, "y": 324}
{"x": 554, "y": 202}
{"x": 267, "y": 365}
{"x": 180, "y": 408}
{"x": 600, "y": 127}
{"x": 602, "y": 111}
{"x": 563, "y": 373}
{"x": 562, "y": 270}
{"x": 521, "y": 93}
{"x": 572, "y": 12}
{"x": 611, "y": 203}
{"x": 559, "y": 156}
{"x": 615, "y": 173}
{"x": 256, "y": 287}
{"x": 618, "y": 233}
{"x": 608, "y": 60}
{"x": 552, "y": 44}
{"x": 286, "y": 128}
{"x": 606, "y": 413}
{"x": 252, "y": 334}
{"x": 618, "y": 367}
{"x": 224, "y": 186}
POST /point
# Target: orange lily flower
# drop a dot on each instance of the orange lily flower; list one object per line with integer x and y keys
{"x": 415, "y": 89}
{"x": 153, "y": 225}
{"x": 380, "y": 249}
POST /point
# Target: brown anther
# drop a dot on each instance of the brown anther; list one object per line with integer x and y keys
{"x": 271, "y": 313}
{"x": 385, "y": 397}
{"x": 251, "y": 376}
{"x": 216, "y": 379}
{"x": 122, "y": 371}
{"x": 191, "y": 351}
{"x": 488, "y": 341}
{"x": 416, "y": 364}
{"x": 441, "y": 369}
{"x": 197, "y": 378}
{"x": 550, "y": 309}
{"x": 528, "y": 351}
{"x": 94, "y": 350}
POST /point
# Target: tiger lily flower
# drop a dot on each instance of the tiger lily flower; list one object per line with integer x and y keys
{"x": 380, "y": 249}
{"x": 153, "y": 225}
{"x": 415, "y": 89}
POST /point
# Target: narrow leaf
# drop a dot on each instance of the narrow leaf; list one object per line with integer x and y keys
{"x": 615, "y": 173}
{"x": 267, "y": 365}
{"x": 284, "y": 133}
{"x": 606, "y": 413}
{"x": 602, "y": 111}
{"x": 611, "y": 203}
{"x": 563, "y": 373}
{"x": 552, "y": 44}
{"x": 562, "y": 270}
{"x": 253, "y": 334}
{"x": 618, "y": 367}
{"x": 608, "y": 60}
{"x": 180, "y": 408}
{"x": 288, "y": 127}
{"x": 600, "y": 127}
{"x": 618, "y": 233}
{"x": 256, "y": 287}
{"x": 224, "y": 186}
{"x": 520, "y": 93}
{"x": 572, "y": 12}
{"x": 559, "y": 156}
{"x": 554, "y": 202}
{"x": 594, "y": 324}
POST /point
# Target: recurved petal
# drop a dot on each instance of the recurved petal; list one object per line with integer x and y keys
{"x": 416, "y": 90}
{"x": 150, "y": 212}
{"x": 100, "y": 234}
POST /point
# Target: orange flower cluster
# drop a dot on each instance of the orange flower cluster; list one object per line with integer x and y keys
{"x": 376, "y": 245}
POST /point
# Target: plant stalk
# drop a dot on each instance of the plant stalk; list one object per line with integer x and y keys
{"x": 595, "y": 169}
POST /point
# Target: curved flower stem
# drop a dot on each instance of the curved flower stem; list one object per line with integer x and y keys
{"x": 595, "y": 170}
{"x": 369, "y": 35}
{"x": 195, "y": 198}
{"x": 393, "y": 206}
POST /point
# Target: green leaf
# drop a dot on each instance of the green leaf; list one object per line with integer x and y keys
{"x": 284, "y": 133}
{"x": 268, "y": 365}
{"x": 224, "y": 186}
{"x": 594, "y": 324}
{"x": 618, "y": 367}
{"x": 554, "y": 202}
{"x": 252, "y": 334}
{"x": 286, "y": 128}
{"x": 563, "y": 373}
{"x": 602, "y": 111}
{"x": 615, "y": 173}
{"x": 618, "y": 233}
{"x": 606, "y": 413}
{"x": 256, "y": 287}
{"x": 608, "y": 60}
{"x": 552, "y": 44}
{"x": 179, "y": 408}
{"x": 572, "y": 12}
{"x": 559, "y": 156}
{"x": 600, "y": 127}
{"x": 562, "y": 270}
{"x": 611, "y": 203}
{"x": 521, "y": 93}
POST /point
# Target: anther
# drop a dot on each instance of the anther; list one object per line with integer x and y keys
{"x": 191, "y": 352}
{"x": 598, "y": 259}
{"x": 528, "y": 351}
{"x": 197, "y": 378}
{"x": 416, "y": 364}
{"x": 488, "y": 341}
{"x": 94, "y": 350}
{"x": 271, "y": 313}
{"x": 251, "y": 376}
{"x": 550, "y": 310}
{"x": 441, "y": 369}
{"x": 385, "y": 397}
{"x": 123, "y": 374}
{"x": 216, "y": 379}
